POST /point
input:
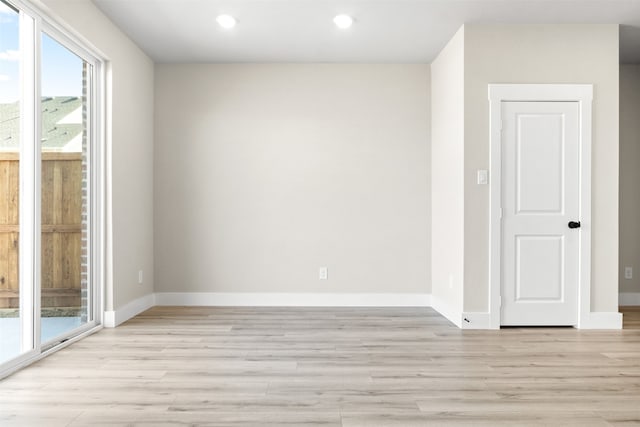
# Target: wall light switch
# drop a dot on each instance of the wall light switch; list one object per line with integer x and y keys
{"x": 628, "y": 272}
{"x": 140, "y": 277}
{"x": 483, "y": 177}
{"x": 323, "y": 273}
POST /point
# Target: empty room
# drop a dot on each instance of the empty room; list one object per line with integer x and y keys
{"x": 319, "y": 212}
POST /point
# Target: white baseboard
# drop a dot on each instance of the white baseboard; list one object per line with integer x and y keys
{"x": 453, "y": 315}
{"x": 602, "y": 320}
{"x": 629, "y": 298}
{"x": 233, "y": 299}
{"x": 463, "y": 320}
{"x": 476, "y": 320}
{"x": 126, "y": 312}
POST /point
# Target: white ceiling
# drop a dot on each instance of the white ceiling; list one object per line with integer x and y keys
{"x": 303, "y": 31}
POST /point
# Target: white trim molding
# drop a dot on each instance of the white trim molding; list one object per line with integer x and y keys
{"x": 583, "y": 94}
{"x": 266, "y": 299}
{"x": 629, "y": 298}
{"x": 463, "y": 320}
{"x": 274, "y": 299}
{"x": 602, "y": 320}
{"x": 128, "y": 311}
{"x": 476, "y": 320}
{"x": 447, "y": 311}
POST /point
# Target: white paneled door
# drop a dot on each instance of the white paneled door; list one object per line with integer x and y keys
{"x": 540, "y": 213}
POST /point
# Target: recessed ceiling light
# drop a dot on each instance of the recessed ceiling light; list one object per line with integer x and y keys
{"x": 226, "y": 21}
{"x": 343, "y": 21}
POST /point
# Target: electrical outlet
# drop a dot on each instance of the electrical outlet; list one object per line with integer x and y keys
{"x": 628, "y": 272}
{"x": 323, "y": 273}
{"x": 140, "y": 277}
{"x": 483, "y": 177}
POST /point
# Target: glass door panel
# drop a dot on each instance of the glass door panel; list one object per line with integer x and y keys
{"x": 11, "y": 330}
{"x": 46, "y": 286}
{"x": 64, "y": 179}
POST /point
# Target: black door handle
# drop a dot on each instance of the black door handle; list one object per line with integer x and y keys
{"x": 574, "y": 224}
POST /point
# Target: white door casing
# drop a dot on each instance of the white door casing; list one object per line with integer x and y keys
{"x": 534, "y": 256}
{"x": 540, "y": 196}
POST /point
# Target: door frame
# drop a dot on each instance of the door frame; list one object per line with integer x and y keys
{"x": 36, "y": 21}
{"x": 583, "y": 95}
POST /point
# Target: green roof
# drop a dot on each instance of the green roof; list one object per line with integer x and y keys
{"x": 61, "y": 123}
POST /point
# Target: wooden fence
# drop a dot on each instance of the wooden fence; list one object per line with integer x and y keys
{"x": 61, "y": 229}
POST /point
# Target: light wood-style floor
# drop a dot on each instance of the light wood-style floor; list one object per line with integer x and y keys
{"x": 329, "y": 367}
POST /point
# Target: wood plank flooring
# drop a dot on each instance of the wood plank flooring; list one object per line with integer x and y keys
{"x": 329, "y": 367}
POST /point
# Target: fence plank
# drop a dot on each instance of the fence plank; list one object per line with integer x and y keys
{"x": 9, "y": 261}
{"x": 61, "y": 228}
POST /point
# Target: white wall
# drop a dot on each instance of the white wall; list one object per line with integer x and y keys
{"x": 130, "y": 141}
{"x": 264, "y": 173}
{"x": 447, "y": 185}
{"x": 630, "y": 176}
{"x": 543, "y": 54}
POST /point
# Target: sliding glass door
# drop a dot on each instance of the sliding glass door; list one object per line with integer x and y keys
{"x": 64, "y": 279}
{"x": 49, "y": 186}
{"x": 11, "y": 315}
